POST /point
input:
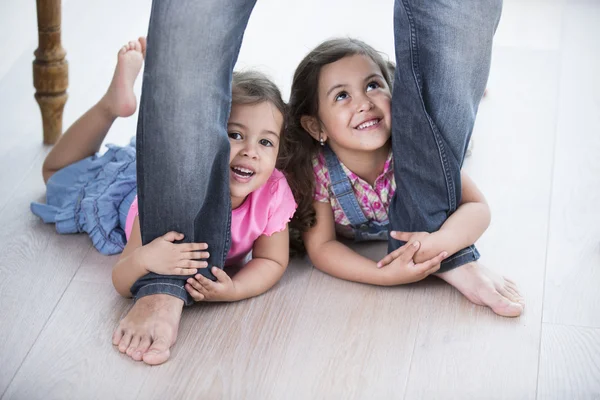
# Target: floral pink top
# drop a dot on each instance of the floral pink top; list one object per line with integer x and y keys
{"x": 374, "y": 201}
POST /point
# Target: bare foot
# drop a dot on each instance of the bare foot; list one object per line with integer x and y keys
{"x": 150, "y": 328}
{"x": 485, "y": 288}
{"x": 119, "y": 99}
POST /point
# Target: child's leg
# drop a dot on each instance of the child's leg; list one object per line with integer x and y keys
{"x": 84, "y": 137}
{"x": 441, "y": 73}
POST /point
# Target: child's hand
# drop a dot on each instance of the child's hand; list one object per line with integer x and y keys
{"x": 203, "y": 289}
{"x": 164, "y": 257}
{"x": 426, "y": 240}
{"x": 402, "y": 269}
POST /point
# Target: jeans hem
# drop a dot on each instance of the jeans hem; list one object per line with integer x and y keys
{"x": 461, "y": 258}
{"x": 164, "y": 288}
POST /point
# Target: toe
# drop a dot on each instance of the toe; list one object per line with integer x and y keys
{"x": 516, "y": 296}
{"x": 142, "y": 41}
{"x": 142, "y": 348}
{"x": 513, "y": 283}
{"x": 117, "y": 336}
{"x": 135, "y": 342}
{"x": 158, "y": 353}
{"x": 506, "y": 308}
{"x": 511, "y": 296}
{"x": 125, "y": 341}
{"x": 513, "y": 287}
{"x": 138, "y": 46}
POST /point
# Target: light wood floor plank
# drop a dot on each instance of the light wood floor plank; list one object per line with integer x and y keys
{"x": 573, "y": 275}
{"x": 569, "y": 363}
{"x": 351, "y": 341}
{"x": 74, "y": 358}
{"x": 36, "y": 266}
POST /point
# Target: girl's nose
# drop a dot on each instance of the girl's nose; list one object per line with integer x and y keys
{"x": 365, "y": 105}
{"x": 250, "y": 151}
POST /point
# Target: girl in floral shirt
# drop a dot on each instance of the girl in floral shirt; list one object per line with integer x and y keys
{"x": 343, "y": 167}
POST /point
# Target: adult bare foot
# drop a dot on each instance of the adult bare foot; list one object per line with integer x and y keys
{"x": 150, "y": 328}
{"x": 119, "y": 99}
{"x": 485, "y": 288}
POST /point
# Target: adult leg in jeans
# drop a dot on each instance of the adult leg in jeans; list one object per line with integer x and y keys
{"x": 443, "y": 52}
{"x": 182, "y": 154}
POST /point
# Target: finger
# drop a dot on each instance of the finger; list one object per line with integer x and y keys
{"x": 194, "y": 255}
{"x": 173, "y": 236}
{"x": 195, "y": 284}
{"x": 409, "y": 251}
{"x": 192, "y": 246}
{"x": 184, "y": 271}
{"x": 390, "y": 257}
{"x": 432, "y": 263}
{"x": 220, "y": 274}
{"x": 205, "y": 282}
{"x": 192, "y": 264}
{"x": 402, "y": 236}
{"x": 196, "y": 295}
{"x": 433, "y": 269}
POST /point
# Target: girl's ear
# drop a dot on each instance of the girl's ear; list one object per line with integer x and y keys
{"x": 313, "y": 127}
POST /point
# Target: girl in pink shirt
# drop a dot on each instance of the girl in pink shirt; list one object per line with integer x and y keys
{"x": 262, "y": 204}
{"x": 262, "y": 201}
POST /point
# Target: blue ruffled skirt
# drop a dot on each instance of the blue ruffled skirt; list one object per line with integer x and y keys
{"x": 94, "y": 196}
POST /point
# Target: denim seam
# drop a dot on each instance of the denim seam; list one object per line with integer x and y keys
{"x": 459, "y": 254}
{"x": 178, "y": 288}
{"x": 441, "y": 150}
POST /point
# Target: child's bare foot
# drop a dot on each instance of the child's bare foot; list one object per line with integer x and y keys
{"x": 485, "y": 288}
{"x": 119, "y": 99}
{"x": 150, "y": 328}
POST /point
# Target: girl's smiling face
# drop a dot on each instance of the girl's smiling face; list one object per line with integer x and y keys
{"x": 354, "y": 105}
{"x": 254, "y": 133}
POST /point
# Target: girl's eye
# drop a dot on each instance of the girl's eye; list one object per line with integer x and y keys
{"x": 373, "y": 85}
{"x": 266, "y": 142}
{"x": 341, "y": 96}
{"x": 234, "y": 135}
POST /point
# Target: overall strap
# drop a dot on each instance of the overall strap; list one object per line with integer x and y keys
{"x": 342, "y": 189}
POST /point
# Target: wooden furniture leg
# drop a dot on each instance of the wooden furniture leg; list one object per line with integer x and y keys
{"x": 50, "y": 69}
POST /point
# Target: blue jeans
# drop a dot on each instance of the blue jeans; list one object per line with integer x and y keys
{"x": 443, "y": 53}
{"x": 182, "y": 144}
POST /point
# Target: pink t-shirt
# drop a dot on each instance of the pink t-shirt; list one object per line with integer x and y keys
{"x": 265, "y": 211}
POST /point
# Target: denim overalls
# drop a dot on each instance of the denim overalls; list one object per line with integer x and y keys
{"x": 364, "y": 230}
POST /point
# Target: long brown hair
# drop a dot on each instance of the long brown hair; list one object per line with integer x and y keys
{"x": 300, "y": 147}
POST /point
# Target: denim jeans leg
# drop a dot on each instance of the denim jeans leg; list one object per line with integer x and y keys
{"x": 443, "y": 54}
{"x": 182, "y": 144}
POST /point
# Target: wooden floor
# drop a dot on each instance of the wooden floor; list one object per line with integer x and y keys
{"x": 536, "y": 150}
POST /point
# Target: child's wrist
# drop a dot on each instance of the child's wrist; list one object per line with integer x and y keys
{"x": 138, "y": 260}
{"x": 235, "y": 293}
